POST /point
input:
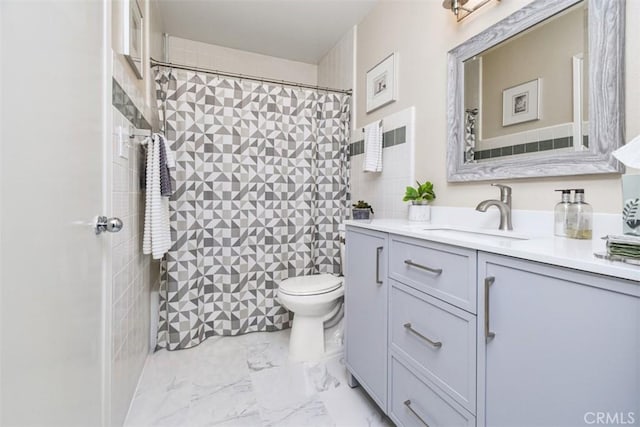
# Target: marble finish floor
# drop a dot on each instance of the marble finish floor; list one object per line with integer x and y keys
{"x": 248, "y": 381}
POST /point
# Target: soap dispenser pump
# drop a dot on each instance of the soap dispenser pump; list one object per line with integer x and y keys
{"x": 580, "y": 217}
{"x": 561, "y": 214}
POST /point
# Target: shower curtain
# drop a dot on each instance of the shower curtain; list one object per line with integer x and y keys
{"x": 261, "y": 185}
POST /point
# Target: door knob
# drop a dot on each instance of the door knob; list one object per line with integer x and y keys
{"x": 112, "y": 225}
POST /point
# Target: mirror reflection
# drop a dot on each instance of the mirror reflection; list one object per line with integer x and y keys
{"x": 527, "y": 96}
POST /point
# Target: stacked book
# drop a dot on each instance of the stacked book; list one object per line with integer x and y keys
{"x": 623, "y": 246}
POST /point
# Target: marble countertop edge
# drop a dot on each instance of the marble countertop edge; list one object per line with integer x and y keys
{"x": 539, "y": 247}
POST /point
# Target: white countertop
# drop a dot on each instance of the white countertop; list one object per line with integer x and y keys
{"x": 541, "y": 246}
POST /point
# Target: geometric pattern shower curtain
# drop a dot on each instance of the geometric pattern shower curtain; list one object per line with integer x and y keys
{"x": 261, "y": 186}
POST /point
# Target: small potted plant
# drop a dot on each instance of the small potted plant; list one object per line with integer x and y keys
{"x": 361, "y": 210}
{"x": 420, "y": 197}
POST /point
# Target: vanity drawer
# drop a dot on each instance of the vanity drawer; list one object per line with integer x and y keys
{"x": 415, "y": 402}
{"x": 446, "y": 272}
{"x": 439, "y": 339}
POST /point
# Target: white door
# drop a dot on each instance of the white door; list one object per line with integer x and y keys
{"x": 55, "y": 103}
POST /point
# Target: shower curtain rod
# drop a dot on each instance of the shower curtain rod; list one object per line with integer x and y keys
{"x": 155, "y": 63}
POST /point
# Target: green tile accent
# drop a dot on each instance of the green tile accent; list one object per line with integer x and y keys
{"x": 482, "y": 154}
{"x": 401, "y": 135}
{"x": 356, "y": 148}
{"x": 519, "y": 149}
{"x": 531, "y": 147}
{"x": 389, "y": 139}
{"x": 125, "y": 105}
{"x": 545, "y": 145}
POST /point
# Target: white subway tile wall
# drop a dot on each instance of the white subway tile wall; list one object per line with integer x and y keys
{"x": 124, "y": 76}
{"x": 335, "y": 70}
{"x": 384, "y": 191}
{"x": 198, "y": 54}
{"x": 133, "y": 273}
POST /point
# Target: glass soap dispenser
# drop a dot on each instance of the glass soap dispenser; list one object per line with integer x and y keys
{"x": 580, "y": 217}
{"x": 561, "y": 214}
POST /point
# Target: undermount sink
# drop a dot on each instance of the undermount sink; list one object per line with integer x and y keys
{"x": 479, "y": 232}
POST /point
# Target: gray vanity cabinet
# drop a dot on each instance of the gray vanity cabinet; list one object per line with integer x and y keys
{"x": 467, "y": 338}
{"x": 432, "y": 333}
{"x": 366, "y": 302}
{"x": 446, "y": 272}
{"x": 554, "y": 349}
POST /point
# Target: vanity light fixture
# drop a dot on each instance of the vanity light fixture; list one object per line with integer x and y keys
{"x": 463, "y": 8}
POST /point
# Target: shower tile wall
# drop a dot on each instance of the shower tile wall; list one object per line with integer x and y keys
{"x": 132, "y": 272}
{"x": 384, "y": 191}
{"x": 336, "y": 68}
{"x": 189, "y": 52}
{"x": 133, "y": 87}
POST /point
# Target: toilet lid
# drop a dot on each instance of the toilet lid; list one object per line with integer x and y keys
{"x": 310, "y": 285}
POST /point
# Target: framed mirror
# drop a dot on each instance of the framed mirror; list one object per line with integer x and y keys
{"x": 539, "y": 94}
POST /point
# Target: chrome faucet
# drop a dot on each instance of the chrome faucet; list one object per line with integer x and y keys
{"x": 503, "y": 205}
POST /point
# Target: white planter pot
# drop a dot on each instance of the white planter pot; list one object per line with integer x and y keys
{"x": 420, "y": 213}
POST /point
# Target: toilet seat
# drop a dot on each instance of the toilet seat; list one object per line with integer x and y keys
{"x": 315, "y": 284}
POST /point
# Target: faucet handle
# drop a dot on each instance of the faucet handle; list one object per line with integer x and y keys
{"x": 505, "y": 193}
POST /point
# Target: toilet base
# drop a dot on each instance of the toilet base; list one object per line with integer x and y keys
{"x": 306, "y": 342}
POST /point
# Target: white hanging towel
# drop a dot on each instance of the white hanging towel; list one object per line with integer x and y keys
{"x": 171, "y": 158}
{"x": 373, "y": 147}
{"x": 157, "y": 232}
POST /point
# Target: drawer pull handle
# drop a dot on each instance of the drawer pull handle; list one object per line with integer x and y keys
{"x": 378, "y": 252}
{"x": 436, "y": 271}
{"x": 436, "y": 344}
{"x": 407, "y": 403}
{"x": 488, "y": 335}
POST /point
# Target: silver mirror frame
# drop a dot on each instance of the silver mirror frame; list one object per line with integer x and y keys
{"x": 606, "y": 96}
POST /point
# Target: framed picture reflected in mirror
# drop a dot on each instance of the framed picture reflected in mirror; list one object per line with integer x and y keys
{"x": 521, "y": 103}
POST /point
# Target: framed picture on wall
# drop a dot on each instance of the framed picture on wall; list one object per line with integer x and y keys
{"x": 381, "y": 83}
{"x": 132, "y": 36}
{"x": 521, "y": 103}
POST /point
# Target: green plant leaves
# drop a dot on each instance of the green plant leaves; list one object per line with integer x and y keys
{"x": 410, "y": 194}
{"x": 423, "y": 192}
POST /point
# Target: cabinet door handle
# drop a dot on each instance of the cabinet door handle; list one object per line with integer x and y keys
{"x": 488, "y": 281}
{"x": 407, "y": 403}
{"x": 378, "y": 252}
{"x": 436, "y": 271}
{"x": 436, "y": 344}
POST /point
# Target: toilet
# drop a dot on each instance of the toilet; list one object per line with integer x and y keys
{"x": 313, "y": 299}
